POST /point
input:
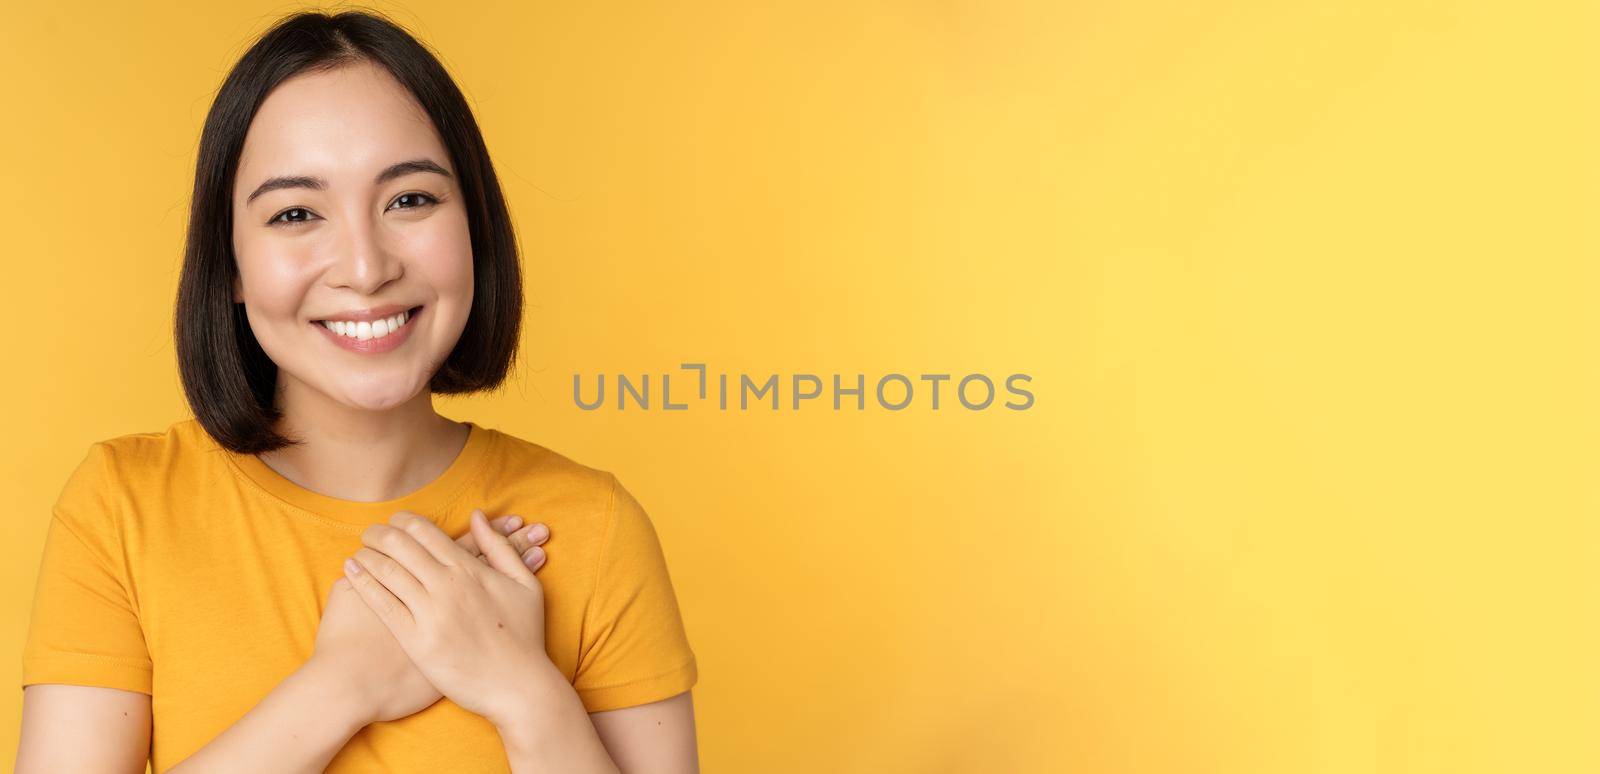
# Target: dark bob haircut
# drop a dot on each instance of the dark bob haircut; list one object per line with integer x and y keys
{"x": 228, "y": 379}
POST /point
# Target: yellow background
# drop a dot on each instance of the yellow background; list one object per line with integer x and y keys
{"x": 1307, "y": 293}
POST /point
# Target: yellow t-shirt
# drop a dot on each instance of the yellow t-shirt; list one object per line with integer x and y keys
{"x": 176, "y": 568}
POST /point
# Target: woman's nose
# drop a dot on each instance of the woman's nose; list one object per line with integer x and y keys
{"x": 364, "y": 263}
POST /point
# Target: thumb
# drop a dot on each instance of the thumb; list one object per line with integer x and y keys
{"x": 497, "y": 549}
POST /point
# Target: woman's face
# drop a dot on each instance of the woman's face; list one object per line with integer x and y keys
{"x": 327, "y": 227}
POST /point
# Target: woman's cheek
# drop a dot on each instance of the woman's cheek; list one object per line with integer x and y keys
{"x": 445, "y": 256}
{"x": 275, "y": 280}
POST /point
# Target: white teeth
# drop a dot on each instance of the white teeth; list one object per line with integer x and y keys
{"x": 376, "y": 329}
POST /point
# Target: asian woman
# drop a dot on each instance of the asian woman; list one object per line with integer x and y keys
{"x": 304, "y": 577}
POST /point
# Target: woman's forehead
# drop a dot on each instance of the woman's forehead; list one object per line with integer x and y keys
{"x": 349, "y": 121}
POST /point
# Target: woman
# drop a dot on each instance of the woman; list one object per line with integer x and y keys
{"x": 293, "y": 579}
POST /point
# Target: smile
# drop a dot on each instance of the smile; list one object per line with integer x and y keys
{"x": 376, "y": 336}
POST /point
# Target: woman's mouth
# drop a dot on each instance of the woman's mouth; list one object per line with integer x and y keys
{"x": 371, "y": 337}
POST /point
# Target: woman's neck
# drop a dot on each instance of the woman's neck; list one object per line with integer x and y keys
{"x": 360, "y": 455}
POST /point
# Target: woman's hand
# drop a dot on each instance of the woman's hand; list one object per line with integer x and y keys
{"x": 525, "y": 541}
{"x": 354, "y": 648}
{"x": 475, "y": 631}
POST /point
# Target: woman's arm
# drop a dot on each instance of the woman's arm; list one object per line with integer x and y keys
{"x": 356, "y": 675}
{"x": 298, "y": 727}
{"x": 83, "y": 728}
{"x": 549, "y": 731}
{"x": 658, "y": 737}
{"x": 556, "y": 734}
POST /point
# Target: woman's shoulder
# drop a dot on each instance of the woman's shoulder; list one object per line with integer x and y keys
{"x": 539, "y": 459}
{"x": 567, "y": 494}
{"x": 116, "y": 468}
{"x": 152, "y": 450}
{"x": 515, "y": 458}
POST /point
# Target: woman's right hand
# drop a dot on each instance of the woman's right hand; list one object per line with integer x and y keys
{"x": 356, "y": 651}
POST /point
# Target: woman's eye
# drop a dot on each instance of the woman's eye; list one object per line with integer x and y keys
{"x": 279, "y": 219}
{"x": 419, "y": 198}
{"x": 298, "y": 215}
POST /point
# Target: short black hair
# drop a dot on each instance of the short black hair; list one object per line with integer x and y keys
{"x": 228, "y": 379}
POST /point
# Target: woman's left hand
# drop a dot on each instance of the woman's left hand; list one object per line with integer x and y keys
{"x": 474, "y": 630}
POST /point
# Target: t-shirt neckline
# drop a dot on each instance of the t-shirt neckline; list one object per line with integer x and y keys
{"x": 433, "y": 500}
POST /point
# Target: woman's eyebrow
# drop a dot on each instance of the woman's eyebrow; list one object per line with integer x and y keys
{"x": 318, "y": 184}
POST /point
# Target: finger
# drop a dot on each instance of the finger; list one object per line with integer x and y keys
{"x": 429, "y": 536}
{"x": 532, "y": 552}
{"x": 400, "y": 546}
{"x": 504, "y": 525}
{"x": 397, "y": 579}
{"x": 385, "y": 605}
{"x": 501, "y": 555}
{"x": 528, "y": 537}
{"x": 534, "y": 558}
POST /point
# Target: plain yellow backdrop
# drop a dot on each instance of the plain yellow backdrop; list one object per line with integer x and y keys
{"x": 1306, "y": 292}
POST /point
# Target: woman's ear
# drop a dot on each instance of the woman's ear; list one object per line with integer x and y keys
{"x": 238, "y": 290}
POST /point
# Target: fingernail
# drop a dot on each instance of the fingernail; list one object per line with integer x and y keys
{"x": 531, "y": 556}
{"x": 512, "y": 524}
{"x": 538, "y": 532}
{"x": 352, "y": 567}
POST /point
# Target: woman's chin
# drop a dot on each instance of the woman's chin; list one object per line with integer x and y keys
{"x": 368, "y": 399}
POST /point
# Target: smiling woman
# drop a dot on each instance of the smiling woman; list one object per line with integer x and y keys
{"x": 349, "y": 207}
{"x": 319, "y": 534}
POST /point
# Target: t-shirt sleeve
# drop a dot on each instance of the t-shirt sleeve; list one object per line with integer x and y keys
{"x": 634, "y": 650}
{"x": 85, "y": 628}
